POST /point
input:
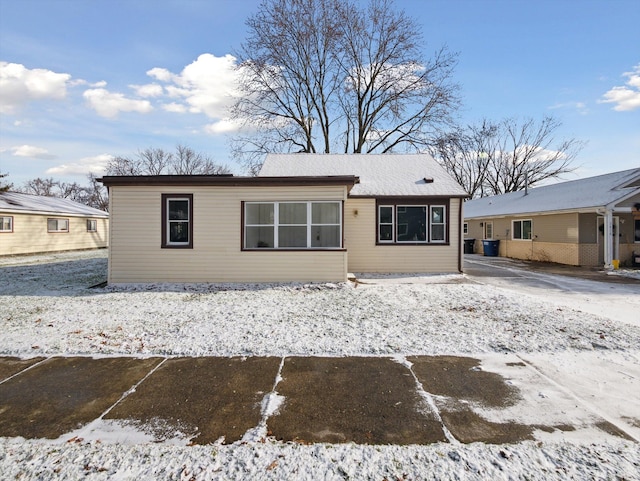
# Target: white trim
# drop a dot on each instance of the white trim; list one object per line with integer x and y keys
{"x": 513, "y": 230}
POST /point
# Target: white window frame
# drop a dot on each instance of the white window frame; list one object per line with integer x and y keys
{"x": 61, "y": 225}
{"x": 521, "y": 222}
{"x": 309, "y": 224}
{"x": 392, "y": 224}
{"x": 6, "y": 220}
{"x": 488, "y": 228}
{"x": 168, "y": 198}
{"x": 443, "y": 224}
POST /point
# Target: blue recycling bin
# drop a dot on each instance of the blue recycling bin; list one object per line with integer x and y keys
{"x": 490, "y": 247}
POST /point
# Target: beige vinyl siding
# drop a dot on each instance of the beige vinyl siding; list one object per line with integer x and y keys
{"x": 217, "y": 256}
{"x": 557, "y": 228}
{"x": 366, "y": 256}
{"x": 30, "y": 234}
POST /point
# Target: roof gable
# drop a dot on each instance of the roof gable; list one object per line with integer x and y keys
{"x": 381, "y": 175}
{"x": 17, "y": 203}
{"x": 582, "y": 194}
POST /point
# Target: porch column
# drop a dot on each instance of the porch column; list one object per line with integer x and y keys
{"x": 608, "y": 239}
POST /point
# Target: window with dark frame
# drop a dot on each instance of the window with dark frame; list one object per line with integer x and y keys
{"x": 177, "y": 220}
{"x": 292, "y": 225}
{"x": 412, "y": 223}
{"x": 522, "y": 229}
{"x": 637, "y": 230}
{"x": 6, "y": 223}
{"x": 57, "y": 225}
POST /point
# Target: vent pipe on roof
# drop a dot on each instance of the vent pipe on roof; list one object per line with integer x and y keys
{"x": 526, "y": 182}
{"x": 428, "y": 180}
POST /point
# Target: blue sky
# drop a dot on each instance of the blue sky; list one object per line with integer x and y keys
{"x": 82, "y": 80}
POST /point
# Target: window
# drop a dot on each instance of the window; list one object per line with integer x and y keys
{"x": 57, "y": 225}
{"x": 292, "y": 225}
{"x": 437, "y": 227}
{"x": 92, "y": 225}
{"x": 6, "y": 224}
{"x": 411, "y": 224}
{"x": 637, "y": 230}
{"x": 177, "y": 220}
{"x": 385, "y": 223}
{"x": 522, "y": 229}
{"x": 488, "y": 230}
{"x": 465, "y": 228}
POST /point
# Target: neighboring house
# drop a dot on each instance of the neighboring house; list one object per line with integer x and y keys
{"x": 586, "y": 222}
{"x": 32, "y": 224}
{"x": 305, "y": 218}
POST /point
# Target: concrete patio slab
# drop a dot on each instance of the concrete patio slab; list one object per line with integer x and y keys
{"x": 10, "y": 366}
{"x": 64, "y": 393}
{"x": 202, "y": 398}
{"x": 356, "y": 399}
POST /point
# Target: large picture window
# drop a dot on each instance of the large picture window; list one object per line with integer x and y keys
{"x": 6, "y": 224}
{"x": 292, "y": 225}
{"x": 177, "y": 220}
{"x": 522, "y": 229}
{"x": 412, "y": 224}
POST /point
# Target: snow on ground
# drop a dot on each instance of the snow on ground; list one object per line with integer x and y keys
{"x": 47, "y": 307}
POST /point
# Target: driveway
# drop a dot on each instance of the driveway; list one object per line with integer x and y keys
{"x": 613, "y": 297}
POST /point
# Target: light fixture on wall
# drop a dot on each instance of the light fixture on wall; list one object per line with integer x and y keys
{"x": 355, "y": 212}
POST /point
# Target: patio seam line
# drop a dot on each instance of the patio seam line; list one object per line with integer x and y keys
{"x": 129, "y": 391}
{"x": 428, "y": 397}
{"x": 26, "y": 369}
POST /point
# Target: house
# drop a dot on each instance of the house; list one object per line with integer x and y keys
{"x": 304, "y": 218}
{"x": 32, "y": 224}
{"x": 585, "y": 222}
{"x": 404, "y": 215}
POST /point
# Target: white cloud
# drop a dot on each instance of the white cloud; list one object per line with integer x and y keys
{"x": 95, "y": 165}
{"x": 175, "y": 108}
{"x": 207, "y": 85}
{"x": 625, "y": 98}
{"x": 148, "y": 90}
{"x": 32, "y": 152}
{"x": 222, "y": 127}
{"x": 579, "y": 107}
{"x": 19, "y": 85}
{"x": 110, "y": 104}
{"x": 161, "y": 74}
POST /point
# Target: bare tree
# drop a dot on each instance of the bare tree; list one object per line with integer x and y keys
{"x": 155, "y": 161}
{"x": 45, "y": 187}
{"x": 393, "y": 96}
{"x": 330, "y": 75}
{"x": 493, "y": 158}
{"x": 4, "y": 186}
{"x": 187, "y": 161}
{"x": 94, "y": 195}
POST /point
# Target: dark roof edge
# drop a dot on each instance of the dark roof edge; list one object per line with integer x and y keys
{"x": 230, "y": 181}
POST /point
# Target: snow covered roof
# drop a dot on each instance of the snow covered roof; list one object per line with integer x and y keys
{"x": 583, "y": 194}
{"x": 414, "y": 175}
{"x": 15, "y": 202}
